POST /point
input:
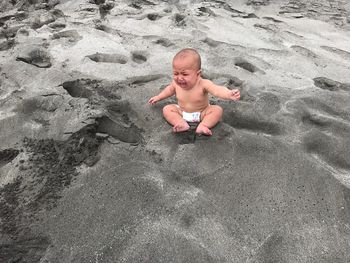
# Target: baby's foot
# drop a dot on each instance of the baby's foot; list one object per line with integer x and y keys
{"x": 202, "y": 129}
{"x": 181, "y": 127}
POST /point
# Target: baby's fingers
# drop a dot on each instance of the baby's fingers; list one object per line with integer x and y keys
{"x": 235, "y": 94}
{"x": 152, "y": 101}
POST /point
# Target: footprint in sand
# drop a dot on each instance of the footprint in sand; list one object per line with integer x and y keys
{"x": 36, "y": 56}
{"x": 250, "y": 120}
{"x": 325, "y": 120}
{"x": 79, "y": 88}
{"x": 258, "y": 2}
{"x": 6, "y": 44}
{"x": 334, "y": 105}
{"x": 140, "y": 80}
{"x": 224, "y": 79}
{"x": 211, "y": 42}
{"x": 342, "y": 53}
{"x": 153, "y": 16}
{"x": 331, "y": 85}
{"x": 57, "y": 25}
{"x": 304, "y": 51}
{"x": 206, "y": 11}
{"x": 40, "y": 19}
{"x": 93, "y": 89}
{"x": 71, "y": 35}
{"x": 108, "y": 58}
{"x": 333, "y": 149}
{"x": 139, "y": 57}
{"x": 164, "y": 42}
{"x": 179, "y": 20}
{"x": 244, "y": 64}
{"x": 257, "y": 117}
{"x": 272, "y": 19}
{"x": 118, "y": 123}
{"x": 138, "y": 4}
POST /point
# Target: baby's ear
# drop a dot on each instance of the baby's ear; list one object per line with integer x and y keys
{"x": 199, "y": 72}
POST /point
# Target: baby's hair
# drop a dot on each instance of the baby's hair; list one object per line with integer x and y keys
{"x": 189, "y": 51}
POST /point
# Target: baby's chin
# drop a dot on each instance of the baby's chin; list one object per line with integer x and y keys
{"x": 184, "y": 85}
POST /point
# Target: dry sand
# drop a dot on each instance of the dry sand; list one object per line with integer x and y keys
{"x": 89, "y": 172}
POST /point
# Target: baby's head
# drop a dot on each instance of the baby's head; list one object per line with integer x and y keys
{"x": 186, "y": 67}
{"x": 189, "y": 55}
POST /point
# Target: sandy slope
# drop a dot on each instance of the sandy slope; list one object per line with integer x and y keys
{"x": 89, "y": 172}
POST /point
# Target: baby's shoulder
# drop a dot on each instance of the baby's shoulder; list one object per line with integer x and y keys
{"x": 204, "y": 83}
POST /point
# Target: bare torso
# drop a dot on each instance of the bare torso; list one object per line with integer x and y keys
{"x": 194, "y": 99}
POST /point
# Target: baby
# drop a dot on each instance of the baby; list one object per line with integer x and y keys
{"x": 192, "y": 93}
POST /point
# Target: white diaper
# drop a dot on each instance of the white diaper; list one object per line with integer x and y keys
{"x": 191, "y": 116}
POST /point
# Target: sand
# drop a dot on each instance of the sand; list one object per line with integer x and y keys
{"x": 89, "y": 172}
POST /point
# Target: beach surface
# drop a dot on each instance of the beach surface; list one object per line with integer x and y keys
{"x": 90, "y": 172}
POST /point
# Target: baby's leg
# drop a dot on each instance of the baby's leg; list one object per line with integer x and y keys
{"x": 210, "y": 117}
{"x": 173, "y": 115}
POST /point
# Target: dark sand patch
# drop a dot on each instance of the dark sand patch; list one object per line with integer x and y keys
{"x": 273, "y": 191}
{"x": 7, "y": 156}
{"x": 27, "y": 249}
{"x": 268, "y": 104}
{"x": 50, "y": 167}
{"x": 39, "y": 104}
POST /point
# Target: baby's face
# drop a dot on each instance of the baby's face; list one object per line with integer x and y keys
{"x": 185, "y": 73}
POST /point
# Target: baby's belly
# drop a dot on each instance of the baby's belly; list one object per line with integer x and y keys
{"x": 190, "y": 107}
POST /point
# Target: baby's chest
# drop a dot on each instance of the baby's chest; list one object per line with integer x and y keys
{"x": 192, "y": 96}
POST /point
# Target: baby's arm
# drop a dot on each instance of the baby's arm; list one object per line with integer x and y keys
{"x": 165, "y": 93}
{"x": 221, "y": 91}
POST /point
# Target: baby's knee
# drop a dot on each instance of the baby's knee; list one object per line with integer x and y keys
{"x": 169, "y": 108}
{"x": 217, "y": 109}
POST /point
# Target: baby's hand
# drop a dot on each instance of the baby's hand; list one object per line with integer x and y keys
{"x": 153, "y": 100}
{"x": 234, "y": 94}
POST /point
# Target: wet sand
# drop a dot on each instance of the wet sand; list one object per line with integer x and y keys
{"x": 89, "y": 172}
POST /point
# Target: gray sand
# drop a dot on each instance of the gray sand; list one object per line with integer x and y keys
{"x": 89, "y": 172}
